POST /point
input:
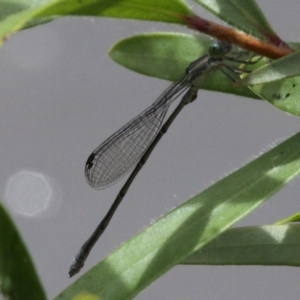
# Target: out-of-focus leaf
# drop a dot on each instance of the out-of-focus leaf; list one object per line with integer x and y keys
{"x": 290, "y": 219}
{"x": 18, "y": 278}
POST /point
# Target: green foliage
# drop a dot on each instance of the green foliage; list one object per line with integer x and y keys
{"x": 194, "y": 225}
{"x": 18, "y": 278}
{"x": 244, "y": 15}
{"x": 166, "y": 56}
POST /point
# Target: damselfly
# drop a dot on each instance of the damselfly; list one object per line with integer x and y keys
{"x": 131, "y": 145}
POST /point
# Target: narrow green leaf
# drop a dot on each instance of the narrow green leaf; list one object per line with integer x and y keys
{"x": 18, "y": 278}
{"x": 294, "y": 218}
{"x": 244, "y": 15}
{"x": 17, "y": 21}
{"x": 23, "y": 14}
{"x": 150, "y": 10}
{"x": 275, "y": 245}
{"x": 138, "y": 262}
{"x": 167, "y": 55}
{"x": 8, "y": 8}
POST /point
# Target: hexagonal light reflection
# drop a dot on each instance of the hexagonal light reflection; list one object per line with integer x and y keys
{"x": 29, "y": 193}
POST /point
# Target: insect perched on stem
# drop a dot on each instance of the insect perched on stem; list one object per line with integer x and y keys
{"x": 131, "y": 145}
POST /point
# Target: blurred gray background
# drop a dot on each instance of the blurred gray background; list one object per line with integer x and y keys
{"x": 61, "y": 96}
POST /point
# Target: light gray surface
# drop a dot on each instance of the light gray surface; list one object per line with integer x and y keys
{"x": 61, "y": 96}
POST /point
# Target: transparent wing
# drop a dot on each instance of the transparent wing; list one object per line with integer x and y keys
{"x": 116, "y": 156}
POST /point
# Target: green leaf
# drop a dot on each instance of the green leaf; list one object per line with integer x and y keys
{"x": 18, "y": 278}
{"x": 169, "y": 241}
{"x": 167, "y": 55}
{"x": 283, "y": 94}
{"x": 293, "y": 218}
{"x": 85, "y": 296}
{"x": 244, "y": 15}
{"x": 150, "y": 10}
{"x": 275, "y": 245}
{"x": 277, "y": 82}
{"x": 276, "y": 70}
{"x": 19, "y": 20}
{"x": 21, "y": 14}
{"x": 8, "y": 8}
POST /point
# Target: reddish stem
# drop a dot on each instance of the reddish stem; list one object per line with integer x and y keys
{"x": 275, "y": 49}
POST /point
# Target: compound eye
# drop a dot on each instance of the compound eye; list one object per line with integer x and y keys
{"x": 218, "y": 49}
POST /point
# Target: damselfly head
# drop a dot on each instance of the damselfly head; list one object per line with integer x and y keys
{"x": 218, "y": 49}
